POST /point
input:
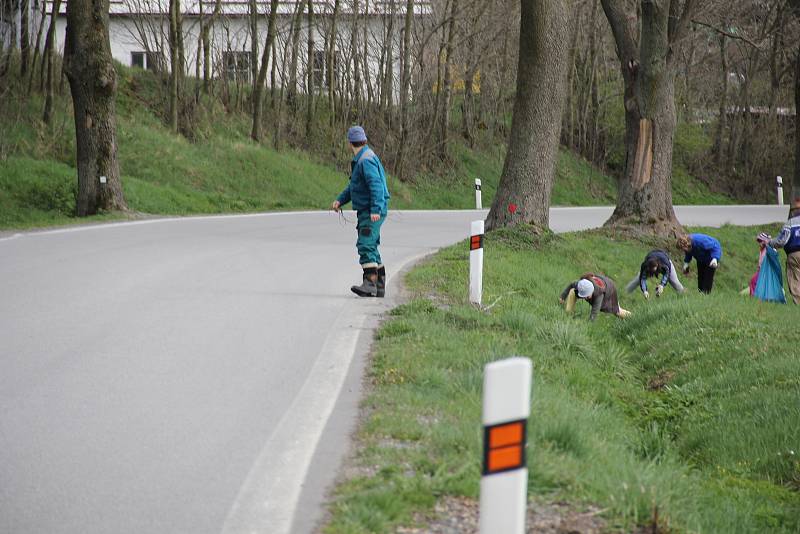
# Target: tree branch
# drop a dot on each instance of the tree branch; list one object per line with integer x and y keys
{"x": 727, "y": 34}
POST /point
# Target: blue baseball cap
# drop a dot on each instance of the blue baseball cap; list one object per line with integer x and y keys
{"x": 356, "y": 134}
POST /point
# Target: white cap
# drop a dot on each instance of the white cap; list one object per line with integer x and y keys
{"x": 585, "y": 288}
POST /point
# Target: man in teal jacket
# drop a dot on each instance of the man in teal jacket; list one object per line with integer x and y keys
{"x": 370, "y": 197}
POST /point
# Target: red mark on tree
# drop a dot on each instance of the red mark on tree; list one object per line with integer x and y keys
{"x": 512, "y": 208}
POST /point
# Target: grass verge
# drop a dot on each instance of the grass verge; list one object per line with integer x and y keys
{"x": 692, "y": 406}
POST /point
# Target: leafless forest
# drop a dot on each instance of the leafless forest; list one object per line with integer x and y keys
{"x": 623, "y": 76}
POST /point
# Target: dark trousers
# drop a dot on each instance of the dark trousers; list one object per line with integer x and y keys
{"x": 705, "y": 277}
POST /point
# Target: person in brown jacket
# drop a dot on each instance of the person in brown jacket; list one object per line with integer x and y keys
{"x": 599, "y": 291}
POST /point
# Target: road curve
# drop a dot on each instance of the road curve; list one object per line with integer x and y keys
{"x": 198, "y": 375}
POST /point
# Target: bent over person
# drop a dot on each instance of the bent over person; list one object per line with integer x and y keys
{"x": 656, "y": 263}
{"x": 599, "y": 291}
{"x": 370, "y": 196}
{"x": 708, "y": 253}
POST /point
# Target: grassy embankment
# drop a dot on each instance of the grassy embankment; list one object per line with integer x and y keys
{"x": 691, "y": 406}
{"x": 223, "y": 171}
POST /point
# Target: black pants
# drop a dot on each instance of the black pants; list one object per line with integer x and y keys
{"x": 705, "y": 277}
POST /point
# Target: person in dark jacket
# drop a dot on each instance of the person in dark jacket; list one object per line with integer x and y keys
{"x": 599, "y": 291}
{"x": 708, "y": 253}
{"x": 656, "y": 263}
{"x": 370, "y": 196}
{"x": 789, "y": 239}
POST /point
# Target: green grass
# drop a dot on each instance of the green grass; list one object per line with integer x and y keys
{"x": 222, "y": 171}
{"x": 692, "y": 405}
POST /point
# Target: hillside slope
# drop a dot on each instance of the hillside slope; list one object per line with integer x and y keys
{"x": 223, "y": 171}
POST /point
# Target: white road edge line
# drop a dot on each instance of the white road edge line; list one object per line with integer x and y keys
{"x": 267, "y": 501}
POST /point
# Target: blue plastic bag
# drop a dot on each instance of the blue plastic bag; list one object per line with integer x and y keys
{"x": 769, "y": 286}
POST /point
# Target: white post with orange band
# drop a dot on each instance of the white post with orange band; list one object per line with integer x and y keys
{"x": 506, "y": 408}
{"x": 476, "y": 262}
{"x": 478, "y": 201}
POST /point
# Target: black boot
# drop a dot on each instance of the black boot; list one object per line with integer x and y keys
{"x": 369, "y": 286}
{"x": 381, "y": 281}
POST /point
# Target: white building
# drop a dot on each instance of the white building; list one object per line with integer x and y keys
{"x": 139, "y": 30}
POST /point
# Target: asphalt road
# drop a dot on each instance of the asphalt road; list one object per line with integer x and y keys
{"x": 201, "y": 374}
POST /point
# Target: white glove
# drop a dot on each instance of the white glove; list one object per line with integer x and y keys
{"x": 659, "y": 290}
{"x": 646, "y": 295}
{"x": 713, "y": 263}
{"x": 685, "y": 268}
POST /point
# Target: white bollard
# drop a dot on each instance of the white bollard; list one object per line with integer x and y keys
{"x": 476, "y": 262}
{"x": 506, "y": 408}
{"x": 478, "y": 202}
{"x": 780, "y": 191}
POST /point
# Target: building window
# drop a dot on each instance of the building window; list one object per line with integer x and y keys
{"x": 237, "y": 66}
{"x": 146, "y": 60}
{"x": 137, "y": 59}
{"x": 319, "y": 68}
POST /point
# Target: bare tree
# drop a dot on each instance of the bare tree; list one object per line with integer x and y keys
{"x": 310, "y": 70}
{"x": 24, "y": 37}
{"x": 93, "y": 84}
{"x": 177, "y": 63}
{"x": 529, "y": 168}
{"x": 258, "y": 89}
{"x": 47, "y": 63}
{"x": 38, "y": 43}
{"x": 647, "y": 41}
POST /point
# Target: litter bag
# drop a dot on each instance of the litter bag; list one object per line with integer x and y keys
{"x": 769, "y": 286}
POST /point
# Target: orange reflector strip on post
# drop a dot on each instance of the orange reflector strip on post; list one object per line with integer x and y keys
{"x": 504, "y": 447}
{"x": 476, "y": 242}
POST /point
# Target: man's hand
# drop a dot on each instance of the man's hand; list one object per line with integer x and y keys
{"x": 560, "y": 300}
{"x": 335, "y": 205}
{"x": 713, "y": 263}
{"x": 685, "y": 268}
{"x": 375, "y": 217}
{"x": 659, "y": 290}
{"x": 646, "y": 295}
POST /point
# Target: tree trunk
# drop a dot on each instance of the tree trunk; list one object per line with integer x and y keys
{"x": 388, "y": 65}
{"x": 310, "y": 70}
{"x": 205, "y": 32}
{"x": 174, "y": 54}
{"x": 253, "y": 8}
{"x": 644, "y": 196}
{"x": 354, "y": 56}
{"x": 93, "y": 83}
{"x": 38, "y": 42}
{"x": 447, "y": 83}
{"x": 258, "y": 89}
{"x": 405, "y": 84}
{"x": 331, "y": 65}
{"x": 529, "y": 168}
{"x": 719, "y": 145}
{"x": 365, "y": 61}
{"x": 291, "y": 94}
{"x": 24, "y": 38}
{"x": 47, "y": 62}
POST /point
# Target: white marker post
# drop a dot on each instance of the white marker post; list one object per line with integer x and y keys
{"x": 478, "y": 202}
{"x": 476, "y": 262}
{"x": 780, "y": 191}
{"x": 504, "y": 484}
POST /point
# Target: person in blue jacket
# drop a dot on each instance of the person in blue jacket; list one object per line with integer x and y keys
{"x": 789, "y": 239}
{"x": 370, "y": 197}
{"x": 708, "y": 253}
{"x": 656, "y": 263}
